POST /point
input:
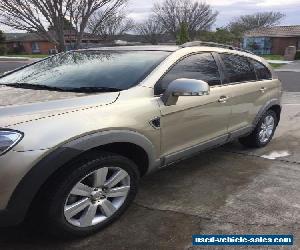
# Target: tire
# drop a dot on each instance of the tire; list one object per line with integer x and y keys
{"x": 256, "y": 139}
{"x": 57, "y": 207}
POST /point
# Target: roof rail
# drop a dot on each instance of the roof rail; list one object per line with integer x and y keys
{"x": 212, "y": 44}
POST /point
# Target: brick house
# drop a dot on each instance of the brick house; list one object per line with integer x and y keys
{"x": 31, "y": 43}
{"x": 273, "y": 40}
{"x": 27, "y": 43}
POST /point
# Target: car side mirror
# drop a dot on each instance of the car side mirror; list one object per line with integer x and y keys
{"x": 184, "y": 87}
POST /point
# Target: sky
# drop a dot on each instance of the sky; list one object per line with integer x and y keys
{"x": 228, "y": 9}
{"x": 139, "y": 10}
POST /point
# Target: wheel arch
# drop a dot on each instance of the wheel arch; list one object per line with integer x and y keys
{"x": 274, "y": 105}
{"x": 277, "y": 109}
{"x": 111, "y": 141}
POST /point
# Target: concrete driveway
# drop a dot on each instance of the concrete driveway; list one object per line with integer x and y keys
{"x": 230, "y": 190}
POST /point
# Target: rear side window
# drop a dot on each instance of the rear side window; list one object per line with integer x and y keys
{"x": 199, "y": 66}
{"x": 262, "y": 72}
{"x": 238, "y": 68}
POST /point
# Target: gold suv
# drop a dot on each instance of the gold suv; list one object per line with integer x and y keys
{"x": 78, "y": 129}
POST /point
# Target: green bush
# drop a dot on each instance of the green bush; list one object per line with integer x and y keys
{"x": 2, "y": 49}
{"x": 221, "y": 35}
{"x": 297, "y": 57}
{"x": 19, "y": 50}
{"x": 2, "y": 45}
{"x": 183, "y": 36}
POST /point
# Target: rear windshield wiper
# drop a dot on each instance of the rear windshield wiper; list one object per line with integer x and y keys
{"x": 33, "y": 86}
{"x": 93, "y": 89}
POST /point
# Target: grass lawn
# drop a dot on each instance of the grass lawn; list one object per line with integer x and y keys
{"x": 30, "y": 56}
{"x": 273, "y": 57}
{"x": 276, "y": 66}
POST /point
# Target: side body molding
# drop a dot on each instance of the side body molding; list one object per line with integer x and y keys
{"x": 38, "y": 175}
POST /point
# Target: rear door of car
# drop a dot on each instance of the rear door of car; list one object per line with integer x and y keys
{"x": 247, "y": 94}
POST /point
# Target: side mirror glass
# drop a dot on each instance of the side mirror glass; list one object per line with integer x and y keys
{"x": 184, "y": 87}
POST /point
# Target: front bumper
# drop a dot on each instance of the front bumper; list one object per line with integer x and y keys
{"x": 13, "y": 167}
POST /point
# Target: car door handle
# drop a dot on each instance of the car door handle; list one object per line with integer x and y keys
{"x": 223, "y": 99}
{"x": 263, "y": 90}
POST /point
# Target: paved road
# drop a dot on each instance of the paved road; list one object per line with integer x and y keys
{"x": 290, "y": 80}
{"x": 7, "y": 66}
{"x": 290, "y": 76}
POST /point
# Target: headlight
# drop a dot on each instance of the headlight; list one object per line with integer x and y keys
{"x": 9, "y": 139}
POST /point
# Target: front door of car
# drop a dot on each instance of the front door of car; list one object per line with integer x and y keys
{"x": 194, "y": 120}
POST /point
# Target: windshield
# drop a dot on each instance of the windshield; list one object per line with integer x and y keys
{"x": 88, "y": 70}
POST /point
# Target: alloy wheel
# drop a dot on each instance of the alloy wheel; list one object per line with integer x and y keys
{"x": 97, "y": 197}
{"x": 267, "y": 128}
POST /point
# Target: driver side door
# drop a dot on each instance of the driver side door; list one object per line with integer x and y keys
{"x": 195, "y": 122}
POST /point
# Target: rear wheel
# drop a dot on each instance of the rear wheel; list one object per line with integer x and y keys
{"x": 263, "y": 132}
{"x": 90, "y": 195}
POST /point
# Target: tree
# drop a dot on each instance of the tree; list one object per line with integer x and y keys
{"x": 109, "y": 25}
{"x": 151, "y": 30}
{"x": 35, "y": 16}
{"x": 183, "y": 35}
{"x": 32, "y": 15}
{"x": 66, "y": 24}
{"x": 2, "y": 45}
{"x": 196, "y": 15}
{"x": 82, "y": 10}
{"x": 257, "y": 20}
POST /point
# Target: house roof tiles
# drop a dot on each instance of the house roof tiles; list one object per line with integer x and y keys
{"x": 276, "y": 31}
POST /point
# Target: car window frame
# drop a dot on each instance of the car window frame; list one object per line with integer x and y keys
{"x": 251, "y": 60}
{"x": 225, "y": 73}
{"x": 212, "y": 53}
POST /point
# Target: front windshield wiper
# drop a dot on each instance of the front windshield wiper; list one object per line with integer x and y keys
{"x": 32, "y": 86}
{"x": 93, "y": 89}
{"x": 64, "y": 89}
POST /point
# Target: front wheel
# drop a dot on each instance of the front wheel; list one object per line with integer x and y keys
{"x": 263, "y": 132}
{"x": 91, "y": 195}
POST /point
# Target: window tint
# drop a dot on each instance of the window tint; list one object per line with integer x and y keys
{"x": 199, "y": 67}
{"x": 238, "y": 68}
{"x": 262, "y": 71}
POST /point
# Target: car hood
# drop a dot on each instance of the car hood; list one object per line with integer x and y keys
{"x": 21, "y": 105}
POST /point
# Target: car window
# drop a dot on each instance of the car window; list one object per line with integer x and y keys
{"x": 238, "y": 68}
{"x": 89, "y": 69}
{"x": 262, "y": 72}
{"x": 198, "y": 66}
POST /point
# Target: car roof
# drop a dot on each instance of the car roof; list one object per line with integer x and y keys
{"x": 170, "y": 48}
{"x": 174, "y": 48}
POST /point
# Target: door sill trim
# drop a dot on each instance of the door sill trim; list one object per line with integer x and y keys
{"x": 188, "y": 152}
{"x": 194, "y": 150}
